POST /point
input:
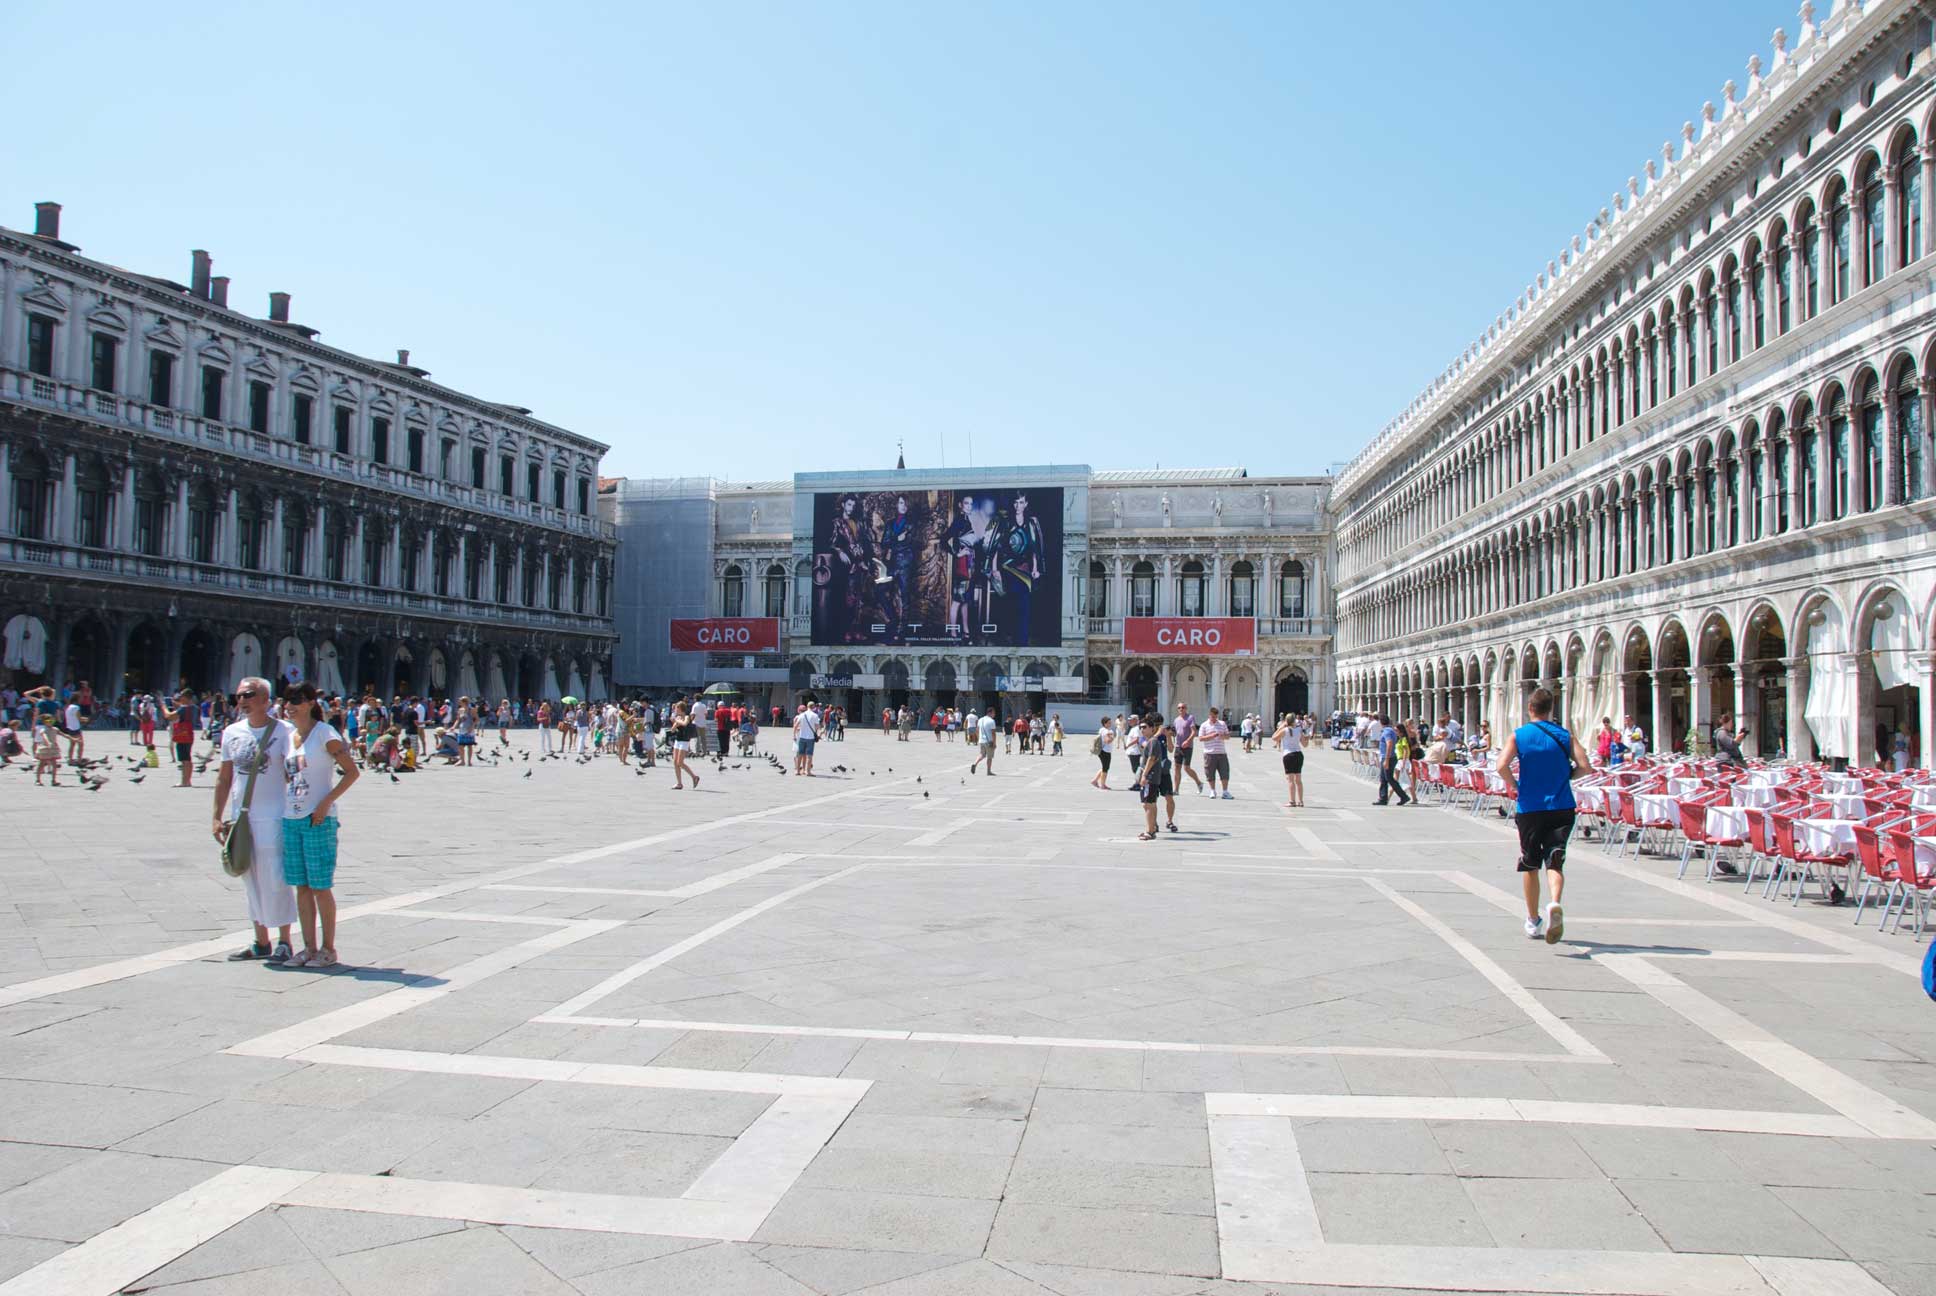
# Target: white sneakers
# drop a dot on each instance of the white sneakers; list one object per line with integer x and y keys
{"x": 1532, "y": 928}
{"x": 1555, "y": 924}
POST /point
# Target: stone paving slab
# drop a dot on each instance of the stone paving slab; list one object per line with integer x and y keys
{"x": 1019, "y": 1016}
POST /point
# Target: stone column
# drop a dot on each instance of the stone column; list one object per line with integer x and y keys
{"x": 66, "y": 519}
{"x": 1800, "y": 743}
{"x": 1700, "y": 705}
{"x": 1892, "y": 464}
{"x": 1660, "y": 740}
{"x": 124, "y": 513}
{"x": 1924, "y": 664}
{"x": 393, "y": 558}
{"x": 1745, "y": 693}
{"x": 231, "y": 556}
{"x": 178, "y": 522}
{"x": 1891, "y": 243}
{"x": 275, "y": 562}
{"x": 1163, "y": 686}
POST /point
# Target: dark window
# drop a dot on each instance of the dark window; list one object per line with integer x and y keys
{"x": 148, "y": 525}
{"x": 446, "y": 455}
{"x": 40, "y": 345}
{"x": 302, "y": 416}
{"x": 248, "y": 540}
{"x": 335, "y": 545}
{"x": 201, "y": 532}
{"x": 342, "y": 416}
{"x": 380, "y": 440}
{"x": 372, "y": 557}
{"x": 258, "y": 406}
{"x": 504, "y": 470}
{"x": 101, "y": 362}
{"x": 531, "y": 482}
{"x": 584, "y": 496}
{"x": 411, "y": 549}
{"x": 414, "y": 447}
{"x": 295, "y": 542}
{"x": 477, "y": 467}
{"x": 93, "y": 502}
{"x": 558, "y": 488}
{"x": 212, "y": 392}
{"x": 161, "y": 379}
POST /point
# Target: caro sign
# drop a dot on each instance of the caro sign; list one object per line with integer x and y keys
{"x": 1192, "y": 636}
{"x": 726, "y": 634}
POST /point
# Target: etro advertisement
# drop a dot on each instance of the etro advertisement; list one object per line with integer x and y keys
{"x": 938, "y": 567}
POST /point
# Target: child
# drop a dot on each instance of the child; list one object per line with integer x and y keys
{"x": 46, "y": 751}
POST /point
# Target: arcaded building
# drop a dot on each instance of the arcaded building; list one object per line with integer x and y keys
{"x": 1689, "y": 471}
{"x": 190, "y": 493}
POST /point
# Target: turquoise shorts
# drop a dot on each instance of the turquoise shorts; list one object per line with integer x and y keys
{"x": 309, "y": 853}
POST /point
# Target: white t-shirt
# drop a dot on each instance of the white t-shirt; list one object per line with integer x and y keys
{"x": 1293, "y": 739}
{"x": 240, "y": 744}
{"x": 309, "y": 769}
{"x": 806, "y": 724}
{"x": 1107, "y": 737}
{"x": 985, "y": 730}
{"x": 73, "y": 717}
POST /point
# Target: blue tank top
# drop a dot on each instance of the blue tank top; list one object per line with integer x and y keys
{"x": 1545, "y": 767}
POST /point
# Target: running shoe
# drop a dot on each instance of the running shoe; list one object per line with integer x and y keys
{"x": 250, "y": 954}
{"x": 1555, "y": 924}
{"x": 282, "y": 953}
{"x": 1532, "y": 929}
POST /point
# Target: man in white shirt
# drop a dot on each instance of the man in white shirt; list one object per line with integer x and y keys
{"x": 806, "y": 731}
{"x": 985, "y": 737}
{"x": 259, "y": 742}
{"x": 71, "y": 730}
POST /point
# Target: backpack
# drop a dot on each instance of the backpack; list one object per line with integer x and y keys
{"x": 1929, "y": 970}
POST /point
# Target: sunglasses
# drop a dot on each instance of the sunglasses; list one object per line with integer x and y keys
{"x": 246, "y": 694}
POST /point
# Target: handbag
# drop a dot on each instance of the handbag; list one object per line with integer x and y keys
{"x": 238, "y": 848}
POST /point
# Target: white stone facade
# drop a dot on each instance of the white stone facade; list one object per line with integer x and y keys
{"x": 1690, "y": 471}
{"x": 189, "y": 494}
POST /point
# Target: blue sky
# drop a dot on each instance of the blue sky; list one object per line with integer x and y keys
{"x": 753, "y": 239}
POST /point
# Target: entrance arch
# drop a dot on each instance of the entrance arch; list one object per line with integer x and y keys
{"x": 1140, "y": 687}
{"x": 201, "y": 661}
{"x": 1191, "y": 686}
{"x": 245, "y": 658}
{"x": 88, "y": 656}
{"x": 1240, "y": 695}
{"x": 1764, "y": 645}
{"x": 1292, "y": 695}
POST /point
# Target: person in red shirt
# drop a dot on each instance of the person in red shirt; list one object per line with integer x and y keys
{"x": 181, "y": 732}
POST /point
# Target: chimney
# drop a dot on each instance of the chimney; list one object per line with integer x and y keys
{"x": 198, "y": 281}
{"x": 47, "y": 220}
{"x": 218, "y": 290}
{"x": 279, "y": 307}
{"x": 403, "y": 359}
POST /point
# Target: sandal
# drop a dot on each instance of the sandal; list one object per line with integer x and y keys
{"x": 1170, "y": 826}
{"x": 1146, "y": 836}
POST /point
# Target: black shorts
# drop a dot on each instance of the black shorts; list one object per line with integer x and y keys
{"x": 1104, "y": 758}
{"x": 1135, "y": 762}
{"x": 1542, "y": 839}
{"x": 183, "y": 750}
{"x": 1183, "y": 755}
{"x": 1157, "y": 785}
{"x": 1294, "y": 762}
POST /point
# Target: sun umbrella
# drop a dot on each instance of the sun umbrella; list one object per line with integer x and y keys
{"x": 720, "y": 690}
{"x": 569, "y": 700}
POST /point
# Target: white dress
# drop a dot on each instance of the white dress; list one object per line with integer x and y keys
{"x": 272, "y": 902}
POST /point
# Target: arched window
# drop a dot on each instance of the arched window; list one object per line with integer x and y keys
{"x": 1633, "y": 375}
{"x": 1778, "y": 458}
{"x": 1710, "y": 506}
{"x": 1669, "y": 498}
{"x": 1669, "y": 351}
{"x": 1142, "y": 589}
{"x": 1871, "y": 424}
{"x": 802, "y": 585}
{"x": 1754, "y": 487}
{"x": 1189, "y": 590}
{"x": 249, "y": 521}
{"x": 776, "y": 591}
{"x": 1098, "y": 589}
{"x": 1710, "y": 320}
{"x": 1809, "y": 466}
{"x": 1290, "y": 590}
{"x": 1784, "y": 277}
{"x": 1757, "y": 297}
{"x": 1875, "y": 223}
{"x": 1243, "y": 590}
{"x": 1838, "y": 456}
{"x": 1731, "y": 290}
{"x": 33, "y": 494}
{"x": 1730, "y": 491}
{"x": 1839, "y": 251}
{"x": 1811, "y": 262}
{"x": 1909, "y": 433}
{"x": 1909, "y": 199}
{"x": 91, "y": 500}
{"x": 1653, "y": 366}
{"x": 295, "y": 536}
{"x": 732, "y": 601}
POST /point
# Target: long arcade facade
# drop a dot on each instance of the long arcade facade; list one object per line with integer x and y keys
{"x": 1689, "y": 473}
{"x": 1154, "y": 553}
{"x": 190, "y": 494}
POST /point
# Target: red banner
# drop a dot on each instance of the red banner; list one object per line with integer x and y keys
{"x": 726, "y": 634}
{"x": 1190, "y": 636}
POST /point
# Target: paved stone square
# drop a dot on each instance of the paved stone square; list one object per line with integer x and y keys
{"x": 903, "y": 1031}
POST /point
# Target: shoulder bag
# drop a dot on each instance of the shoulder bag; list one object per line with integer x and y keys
{"x": 238, "y": 848}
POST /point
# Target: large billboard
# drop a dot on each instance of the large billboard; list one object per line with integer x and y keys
{"x": 974, "y": 566}
{"x": 725, "y": 634}
{"x": 1192, "y": 636}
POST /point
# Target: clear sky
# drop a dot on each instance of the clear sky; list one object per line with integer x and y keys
{"x": 751, "y": 239}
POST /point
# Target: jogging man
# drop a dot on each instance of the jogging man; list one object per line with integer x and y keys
{"x": 1549, "y": 759}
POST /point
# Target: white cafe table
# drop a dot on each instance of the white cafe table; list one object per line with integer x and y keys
{"x": 1729, "y": 822}
{"x": 1826, "y": 836}
{"x": 1751, "y": 794}
{"x": 1657, "y": 808}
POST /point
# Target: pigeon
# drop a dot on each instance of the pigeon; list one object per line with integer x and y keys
{"x": 924, "y": 796}
{"x": 395, "y": 779}
{"x": 138, "y": 778}
{"x": 527, "y": 773}
{"x": 917, "y": 778}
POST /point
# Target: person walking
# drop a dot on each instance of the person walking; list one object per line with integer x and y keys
{"x": 317, "y": 754}
{"x": 1154, "y": 779}
{"x": 1388, "y": 763}
{"x": 1548, "y": 760}
{"x": 504, "y": 722}
{"x": 1289, "y": 737}
{"x": 1129, "y": 736}
{"x": 181, "y": 734}
{"x": 1104, "y": 746}
{"x": 806, "y": 732}
{"x": 684, "y": 734}
{"x": 1214, "y": 736}
{"x": 723, "y": 727}
{"x": 256, "y": 747}
{"x": 1184, "y": 727}
{"x": 985, "y": 734}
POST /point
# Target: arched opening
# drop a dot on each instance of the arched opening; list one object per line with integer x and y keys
{"x": 1672, "y": 658}
{"x": 1142, "y": 590}
{"x": 1098, "y": 602}
{"x": 1239, "y": 696}
{"x": 986, "y": 678}
{"x": 775, "y": 591}
{"x": 1715, "y": 683}
{"x": 289, "y": 661}
{"x": 732, "y": 592}
{"x": 1098, "y": 684}
{"x": 1140, "y": 687}
{"x": 894, "y": 683}
{"x": 1190, "y": 685}
{"x": 1889, "y": 694}
{"x": 245, "y": 659}
{"x": 329, "y": 668}
{"x": 407, "y": 679}
{"x": 1763, "y": 646}
{"x": 33, "y": 494}
{"x": 1292, "y": 695}
{"x": 848, "y": 698}
{"x": 1290, "y": 590}
{"x": 1242, "y": 595}
{"x": 89, "y": 652}
{"x": 531, "y": 685}
{"x": 201, "y": 661}
{"x": 1637, "y": 683}
{"x": 939, "y": 682}
{"x": 1830, "y": 698}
